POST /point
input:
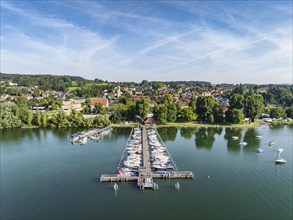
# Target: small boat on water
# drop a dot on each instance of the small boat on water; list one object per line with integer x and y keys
{"x": 258, "y": 137}
{"x": 234, "y": 137}
{"x": 243, "y": 143}
{"x": 259, "y": 150}
{"x": 280, "y": 160}
{"x": 271, "y": 143}
{"x": 280, "y": 149}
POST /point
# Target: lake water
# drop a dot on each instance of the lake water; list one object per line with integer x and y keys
{"x": 43, "y": 176}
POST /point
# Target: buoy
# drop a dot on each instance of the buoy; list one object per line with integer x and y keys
{"x": 209, "y": 177}
{"x": 177, "y": 186}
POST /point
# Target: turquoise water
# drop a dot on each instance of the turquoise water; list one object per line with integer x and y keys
{"x": 43, "y": 176}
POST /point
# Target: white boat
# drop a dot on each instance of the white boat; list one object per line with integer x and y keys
{"x": 234, "y": 137}
{"x": 258, "y": 137}
{"x": 280, "y": 160}
{"x": 280, "y": 149}
{"x": 82, "y": 140}
{"x": 243, "y": 143}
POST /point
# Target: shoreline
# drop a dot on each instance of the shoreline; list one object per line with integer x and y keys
{"x": 187, "y": 125}
{"x": 194, "y": 125}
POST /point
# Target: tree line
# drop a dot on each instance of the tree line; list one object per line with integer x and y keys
{"x": 14, "y": 116}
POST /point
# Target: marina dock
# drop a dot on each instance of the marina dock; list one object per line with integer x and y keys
{"x": 146, "y": 173}
{"x": 93, "y": 134}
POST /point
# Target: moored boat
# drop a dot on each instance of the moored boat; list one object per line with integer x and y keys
{"x": 280, "y": 161}
{"x": 271, "y": 143}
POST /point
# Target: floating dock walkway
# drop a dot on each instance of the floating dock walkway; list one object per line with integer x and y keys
{"x": 146, "y": 174}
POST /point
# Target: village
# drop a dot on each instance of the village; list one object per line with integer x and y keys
{"x": 112, "y": 96}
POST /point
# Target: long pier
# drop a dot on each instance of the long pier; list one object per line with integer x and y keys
{"x": 145, "y": 174}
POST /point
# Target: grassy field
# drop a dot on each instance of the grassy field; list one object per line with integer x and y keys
{"x": 72, "y": 88}
{"x": 129, "y": 125}
{"x": 191, "y": 124}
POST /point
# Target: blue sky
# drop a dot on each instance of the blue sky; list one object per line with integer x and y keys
{"x": 215, "y": 41}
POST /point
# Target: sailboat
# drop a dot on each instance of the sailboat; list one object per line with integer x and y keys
{"x": 280, "y": 160}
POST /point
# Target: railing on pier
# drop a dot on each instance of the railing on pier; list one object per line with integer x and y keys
{"x": 173, "y": 175}
{"x": 117, "y": 178}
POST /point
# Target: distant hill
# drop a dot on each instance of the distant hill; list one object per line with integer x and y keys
{"x": 12, "y": 76}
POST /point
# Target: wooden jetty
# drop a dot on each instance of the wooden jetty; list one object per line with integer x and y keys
{"x": 145, "y": 177}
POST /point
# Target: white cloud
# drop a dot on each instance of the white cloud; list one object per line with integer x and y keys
{"x": 200, "y": 49}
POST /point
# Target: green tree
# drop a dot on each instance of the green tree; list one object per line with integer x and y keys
{"x": 99, "y": 109}
{"x": 277, "y": 113}
{"x": 61, "y": 120}
{"x": 172, "y": 112}
{"x": 204, "y": 108}
{"x": 37, "y": 118}
{"x": 118, "y": 113}
{"x": 142, "y": 108}
{"x": 192, "y": 104}
{"x": 234, "y": 116}
{"x": 253, "y": 105}
{"x": 187, "y": 114}
{"x": 218, "y": 113}
{"x": 171, "y": 108}
{"x": 8, "y": 118}
{"x": 29, "y": 118}
{"x": 101, "y": 121}
{"x": 160, "y": 113}
{"x": 289, "y": 112}
{"x": 21, "y": 101}
{"x": 37, "y": 92}
{"x": 124, "y": 99}
{"x": 44, "y": 119}
{"x": 236, "y": 101}
{"x": 239, "y": 89}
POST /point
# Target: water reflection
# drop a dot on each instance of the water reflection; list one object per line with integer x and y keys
{"x": 168, "y": 134}
{"x": 118, "y": 132}
{"x": 232, "y": 144}
{"x": 187, "y": 133}
{"x": 63, "y": 133}
{"x": 205, "y": 137}
{"x": 277, "y": 127}
{"x": 18, "y": 134}
{"x": 250, "y": 138}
